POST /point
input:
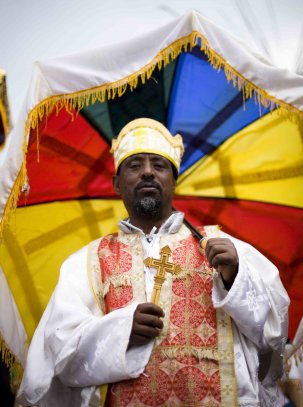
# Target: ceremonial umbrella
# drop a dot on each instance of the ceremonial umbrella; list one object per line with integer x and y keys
{"x": 240, "y": 118}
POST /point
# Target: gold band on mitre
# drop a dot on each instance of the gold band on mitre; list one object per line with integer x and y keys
{"x": 147, "y": 136}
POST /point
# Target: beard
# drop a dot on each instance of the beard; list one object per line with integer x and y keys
{"x": 149, "y": 207}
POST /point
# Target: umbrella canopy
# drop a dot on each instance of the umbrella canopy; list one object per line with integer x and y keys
{"x": 240, "y": 117}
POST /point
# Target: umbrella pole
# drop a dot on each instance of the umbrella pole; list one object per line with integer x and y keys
{"x": 201, "y": 239}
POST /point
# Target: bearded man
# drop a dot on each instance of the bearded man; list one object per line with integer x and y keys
{"x": 148, "y": 316}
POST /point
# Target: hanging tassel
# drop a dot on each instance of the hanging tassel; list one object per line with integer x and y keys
{"x": 15, "y": 368}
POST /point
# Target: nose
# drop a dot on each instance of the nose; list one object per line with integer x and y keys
{"x": 147, "y": 169}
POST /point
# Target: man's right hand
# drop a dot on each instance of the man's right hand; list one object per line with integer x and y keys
{"x": 147, "y": 323}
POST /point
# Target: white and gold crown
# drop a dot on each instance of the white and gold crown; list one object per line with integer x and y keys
{"x": 147, "y": 136}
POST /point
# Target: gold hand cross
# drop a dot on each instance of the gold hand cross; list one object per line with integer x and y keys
{"x": 162, "y": 266}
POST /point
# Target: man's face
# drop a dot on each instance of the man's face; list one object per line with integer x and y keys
{"x": 146, "y": 184}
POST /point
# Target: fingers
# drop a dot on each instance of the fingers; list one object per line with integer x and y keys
{"x": 220, "y": 247}
{"x": 150, "y": 308}
{"x": 147, "y": 323}
{"x": 148, "y": 320}
{"x": 220, "y": 250}
{"x": 222, "y": 255}
{"x": 142, "y": 334}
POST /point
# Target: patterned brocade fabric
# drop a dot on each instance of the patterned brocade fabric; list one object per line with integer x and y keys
{"x": 192, "y": 360}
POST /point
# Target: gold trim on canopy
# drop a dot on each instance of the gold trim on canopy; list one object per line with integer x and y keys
{"x": 80, "y": 99}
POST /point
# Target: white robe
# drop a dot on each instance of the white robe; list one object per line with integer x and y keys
{"x": 75, "y": 349}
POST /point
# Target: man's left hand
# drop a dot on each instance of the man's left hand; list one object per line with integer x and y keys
{"x": 222, "y": 255}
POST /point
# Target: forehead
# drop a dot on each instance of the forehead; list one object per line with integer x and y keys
{"x": 146, "y": 156}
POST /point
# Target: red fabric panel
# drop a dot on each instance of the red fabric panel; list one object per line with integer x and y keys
{"x": 74, "y": 161}
{"x": 276, "y": 231}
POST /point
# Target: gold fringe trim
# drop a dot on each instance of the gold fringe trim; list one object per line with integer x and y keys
{"x": 20, "y": 184}
{"x": 15, "y": 367}
{"x": 198, "y": 353}
{"x": 117, "y": 281}
{"x": 78, "y": 100}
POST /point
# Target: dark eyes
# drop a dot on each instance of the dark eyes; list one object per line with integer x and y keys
{"x": 159, "y": 165}
{"x": 136, "y": 164}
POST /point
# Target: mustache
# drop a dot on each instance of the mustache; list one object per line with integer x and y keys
{"x": 148, "y": 184}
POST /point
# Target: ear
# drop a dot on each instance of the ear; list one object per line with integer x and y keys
{"x": 116, "y": 184}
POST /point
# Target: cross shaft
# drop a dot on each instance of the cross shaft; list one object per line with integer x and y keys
{"x": 162, "y": 265}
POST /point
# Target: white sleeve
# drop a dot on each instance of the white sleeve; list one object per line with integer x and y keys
{"x": 257, "y": 301}
{"x": 88, "y": 348}
{"x": 76, "y": 343}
